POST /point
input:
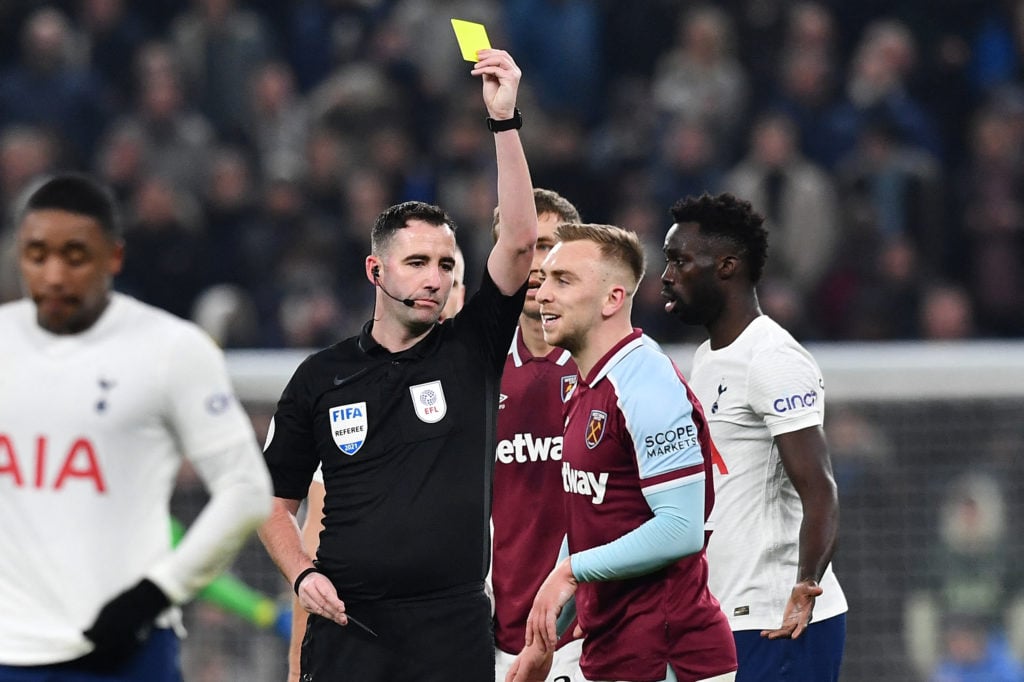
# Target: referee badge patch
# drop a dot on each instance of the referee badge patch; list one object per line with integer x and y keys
{"x": 428, "y": 401}
{"x": 348, "y": 426}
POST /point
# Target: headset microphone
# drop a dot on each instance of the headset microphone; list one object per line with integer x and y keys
{"x": 376, "y": 280}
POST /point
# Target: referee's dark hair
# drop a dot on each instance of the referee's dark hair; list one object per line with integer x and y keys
{"x": 80, "y": 194}
{"x": 727, "y": 217}
{"x": 396, "y": 217}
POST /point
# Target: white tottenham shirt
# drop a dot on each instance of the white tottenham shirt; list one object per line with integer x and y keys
{"x": 93, "y": 428}
{"x": 761, "y": 385}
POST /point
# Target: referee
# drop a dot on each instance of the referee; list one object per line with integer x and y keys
{"x": 402, "y": 420}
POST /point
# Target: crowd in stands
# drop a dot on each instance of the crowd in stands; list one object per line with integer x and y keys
{"x": 253, "y": 143}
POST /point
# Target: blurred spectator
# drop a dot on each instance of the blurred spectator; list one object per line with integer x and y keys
{"x": 974, "y": 574}
{"x": 277, "y": 123}
{"x": 687, "y": 163}
{"x": 876, "y": 91}
{"x": 438, "y": 59}
{"x": 26, "y": 152}
{"x": 700, "y": 80}
{"x": 971, "y": 654}
{"x": 177, "y": 138}
{"x": 947, "y": 313}
{"x": 894, "y": 191}
{"x": 112, "y": 32}
{"x": 805, "y": 80}
{"x": 230, "y": 211}
{"x": 873, "y": 293}
{"x": 50, "y": 88}
{"x": 228, "y": 314}
{"x": 992, "y": 251}
{"x": 219, "y": 46}
{"x": 797, "y": 199}
{"x": 164, "y": 235}
{"x": 123, "y": 158}
{"x": 558, "y": 43}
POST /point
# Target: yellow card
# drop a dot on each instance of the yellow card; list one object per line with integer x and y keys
{"x": 472, "y": 37}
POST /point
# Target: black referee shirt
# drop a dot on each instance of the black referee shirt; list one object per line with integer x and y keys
{"x": 407, "y": 443}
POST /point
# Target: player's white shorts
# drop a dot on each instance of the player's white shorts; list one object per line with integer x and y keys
{"x": 565, "y": 666}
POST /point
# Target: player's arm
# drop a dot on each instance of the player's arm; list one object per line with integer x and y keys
{"x": 311, "y": 527}
{"x": 217, "y": 438}
{"x": 510, "y": 259}
{"x": 676, "y": 530}
{"x": 805, "y": 457}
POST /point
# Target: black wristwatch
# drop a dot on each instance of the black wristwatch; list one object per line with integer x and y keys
{"x": 514, "y": 123}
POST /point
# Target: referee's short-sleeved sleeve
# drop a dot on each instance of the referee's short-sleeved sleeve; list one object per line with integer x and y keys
{"x": 290, "y": 450}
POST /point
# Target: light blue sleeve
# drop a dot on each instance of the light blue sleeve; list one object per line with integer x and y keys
{"x": 677, "y": 530}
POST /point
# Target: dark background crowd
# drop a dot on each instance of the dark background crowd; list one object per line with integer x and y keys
{"x": 253, "y": 142}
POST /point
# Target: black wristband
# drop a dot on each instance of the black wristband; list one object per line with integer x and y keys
{"x": 514, "y": 123}
{"x": 299, "y": 578}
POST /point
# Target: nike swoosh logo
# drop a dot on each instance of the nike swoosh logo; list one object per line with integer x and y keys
{"x": 341, "y": 381}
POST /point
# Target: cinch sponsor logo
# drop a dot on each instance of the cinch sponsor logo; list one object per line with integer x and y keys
{"x": 795, "y": 402}
{"x": 674, "y": 440}
{"x": 525, "y": 448}
{"x": 584, "y": 483}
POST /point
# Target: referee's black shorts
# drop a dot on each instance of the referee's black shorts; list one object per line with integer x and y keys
{"x": 435, "y": 639}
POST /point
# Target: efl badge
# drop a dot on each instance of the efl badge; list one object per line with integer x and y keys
{"x": 595, "y": 428}
{"x": 348, "y": 426}
{"x": 568, "y": 384}
{"x": 428, "y": 399}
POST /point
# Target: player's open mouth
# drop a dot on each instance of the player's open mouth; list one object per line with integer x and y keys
{"x": 548, "y": 319}
{"x": 670, "y": 302}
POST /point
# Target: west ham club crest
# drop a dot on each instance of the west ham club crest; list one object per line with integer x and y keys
{"x": 595, "y": 428}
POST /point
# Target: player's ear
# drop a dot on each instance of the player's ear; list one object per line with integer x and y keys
{"x": 615, "y": 299}
{"x": 372, "y": 266}
{"x": 727, "y": 266}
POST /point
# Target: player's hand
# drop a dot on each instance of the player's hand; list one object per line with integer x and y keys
{"x": 500, "y": 82}
{"x": 557, "y": 589}
{"x": 317, "y": 596}
{"x": 799, "y": 608}
{"x": 531, "y": 665}
{"x": 123, "y": 625}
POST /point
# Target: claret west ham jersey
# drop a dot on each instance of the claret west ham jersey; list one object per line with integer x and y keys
{"x": 528, "y": 511}
{"x": 633, "y": 425}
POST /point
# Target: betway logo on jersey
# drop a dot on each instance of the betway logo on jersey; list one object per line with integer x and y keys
{"x": 584, "y": 483}
{"x": 348, "y": 426}
{"x": 795, "y": 401}
{"x": 523, "y": 447}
